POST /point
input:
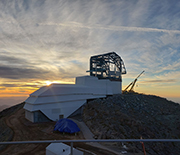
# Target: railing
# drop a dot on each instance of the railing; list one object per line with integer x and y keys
{"x": 85, "y": 141}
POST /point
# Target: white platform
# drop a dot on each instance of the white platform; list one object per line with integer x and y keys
{"x": 61, "y": 149}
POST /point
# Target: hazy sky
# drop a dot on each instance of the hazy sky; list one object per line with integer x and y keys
{"x": 52, "y": 40}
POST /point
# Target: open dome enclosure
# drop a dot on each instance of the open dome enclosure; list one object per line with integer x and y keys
{"x": 107, "y": 66}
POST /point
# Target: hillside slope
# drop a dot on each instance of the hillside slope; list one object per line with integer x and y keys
{"x": 130, "y": 116}
{"x": 14, "y": 127}
{"x": 6, "y": 133}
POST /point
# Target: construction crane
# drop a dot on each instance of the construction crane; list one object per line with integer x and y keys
{"x": 133, "y": 83}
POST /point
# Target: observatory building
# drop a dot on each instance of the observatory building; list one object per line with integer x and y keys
{"x": 63, "y": 100}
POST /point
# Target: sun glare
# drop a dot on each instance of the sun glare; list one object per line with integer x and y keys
{"x": 48, "y": 83}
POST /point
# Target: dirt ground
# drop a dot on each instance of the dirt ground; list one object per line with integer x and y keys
{"x": 27, "y": 131}
{"x": 24, "y": 130}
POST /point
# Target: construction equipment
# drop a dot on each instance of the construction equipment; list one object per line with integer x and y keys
{"x": 133, "y": 83}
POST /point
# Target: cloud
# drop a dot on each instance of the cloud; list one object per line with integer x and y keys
{"x": 6, "y": 59}
{"x": 110, "y": 27}
{"x": 21, "y": 73}
{"x": 18, "y": 85}
{"x": 170, "y": 74}
{"x": 160, "y": 81}
{"x": 62, "y": 69}
{"x": 9, "y": 85}
{"x": 53, "y": 40}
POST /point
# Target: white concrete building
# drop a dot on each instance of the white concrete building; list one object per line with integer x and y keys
{"x": 61, "y": 100}
{"x": 61, "y": 149}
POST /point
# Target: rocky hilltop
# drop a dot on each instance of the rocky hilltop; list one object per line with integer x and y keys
{"x": 130, "y": 116}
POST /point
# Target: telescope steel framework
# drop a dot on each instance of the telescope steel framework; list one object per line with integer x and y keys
{"x": 107, "y": 66}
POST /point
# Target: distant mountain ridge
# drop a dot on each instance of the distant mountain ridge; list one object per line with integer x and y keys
{"x": 2, "y": 107}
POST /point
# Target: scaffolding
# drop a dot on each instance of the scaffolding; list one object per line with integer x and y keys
{"x": 107, "y": 66}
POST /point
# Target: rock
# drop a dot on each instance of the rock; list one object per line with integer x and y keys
{"x": 131, "y": 116}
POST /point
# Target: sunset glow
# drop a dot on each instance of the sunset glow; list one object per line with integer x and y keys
{"x": 45, "y": 42}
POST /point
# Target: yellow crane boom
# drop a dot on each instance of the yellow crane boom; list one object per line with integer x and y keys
{"x": 133, "y": 83}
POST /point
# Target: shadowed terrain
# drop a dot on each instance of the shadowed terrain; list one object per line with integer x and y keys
{"x": 130, "y": 116}
{"x": 126, "y": 116}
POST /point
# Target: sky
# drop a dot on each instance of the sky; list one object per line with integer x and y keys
{"x": 44, "y": 41}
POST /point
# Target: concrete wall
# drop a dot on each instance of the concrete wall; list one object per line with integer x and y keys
{"x": 29, "y": 115}
{"x": 36, "y": 116}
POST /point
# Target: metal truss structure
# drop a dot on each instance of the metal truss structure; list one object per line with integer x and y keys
{"x": 107, "y": 66}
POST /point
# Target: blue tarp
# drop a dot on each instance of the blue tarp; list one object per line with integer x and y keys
{"x": 66, "y": 125}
